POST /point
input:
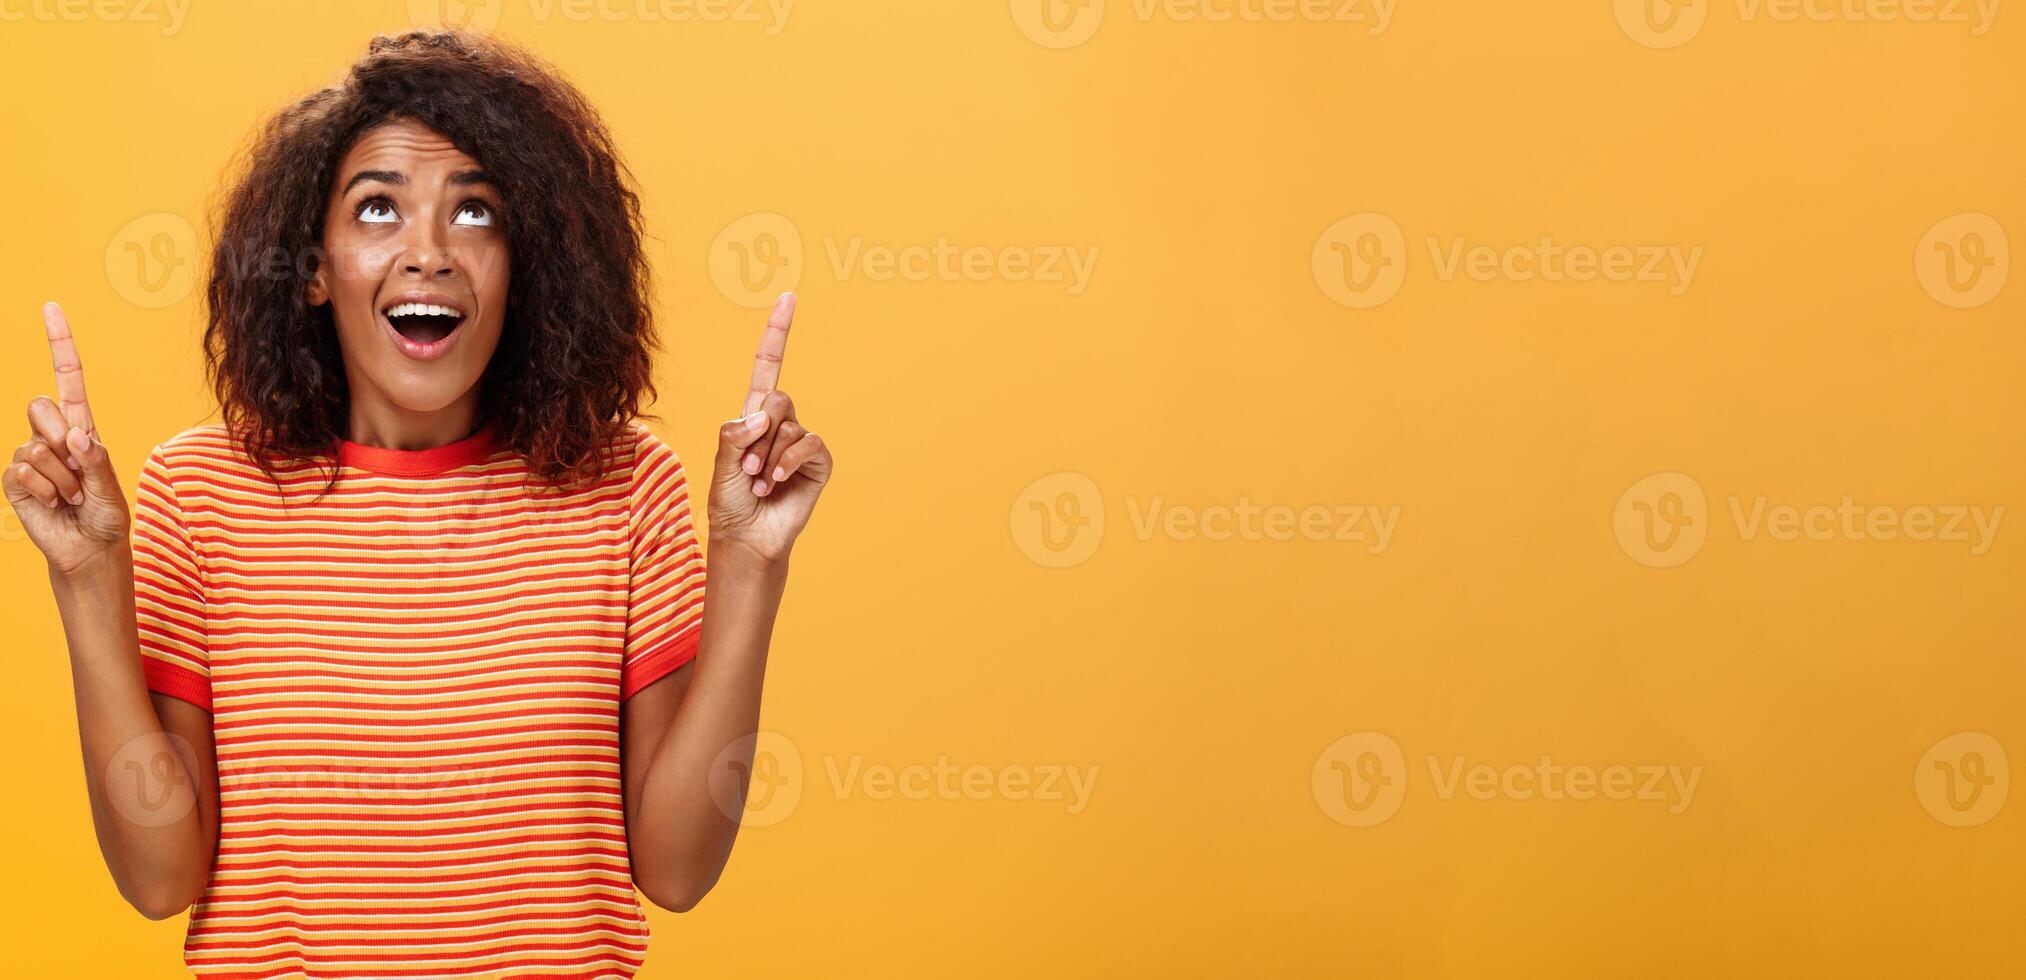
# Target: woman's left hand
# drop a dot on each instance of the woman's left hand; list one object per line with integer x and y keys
{"x": 770, "y": 468}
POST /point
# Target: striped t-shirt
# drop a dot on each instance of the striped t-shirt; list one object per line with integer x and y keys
{"x": 414, "y": 685}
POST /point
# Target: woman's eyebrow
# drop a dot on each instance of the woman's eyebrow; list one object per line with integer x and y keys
{"x": 395, "y": 177}
{"x": 380, "y": 176}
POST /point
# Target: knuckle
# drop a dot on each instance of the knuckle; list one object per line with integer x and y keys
{"x": 779, "y": 400}
{"x": 39, "y": 452}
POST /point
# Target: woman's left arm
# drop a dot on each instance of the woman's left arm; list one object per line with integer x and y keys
{"x": 694, "y": 728}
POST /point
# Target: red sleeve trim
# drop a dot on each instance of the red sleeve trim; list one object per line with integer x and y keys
{"x": 177, "y": 682}
{"x": 661, "y": 661}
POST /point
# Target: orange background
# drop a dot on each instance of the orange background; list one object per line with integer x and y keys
{"x": 1218, "y": 684}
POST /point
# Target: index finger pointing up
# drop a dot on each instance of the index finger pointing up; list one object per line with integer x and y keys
{"x": 773, "y": 347}
{"x": 69, "y": 370}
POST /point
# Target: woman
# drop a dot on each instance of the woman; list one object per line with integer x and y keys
{"x": 406, "y": 666}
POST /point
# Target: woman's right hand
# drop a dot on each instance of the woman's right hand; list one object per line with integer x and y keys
{"x": 61, "y": 481}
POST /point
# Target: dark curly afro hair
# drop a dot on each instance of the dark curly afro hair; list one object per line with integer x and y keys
{"x": 574, "y": 358}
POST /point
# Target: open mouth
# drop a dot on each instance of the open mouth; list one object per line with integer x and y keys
{"x": 423, "y": 323}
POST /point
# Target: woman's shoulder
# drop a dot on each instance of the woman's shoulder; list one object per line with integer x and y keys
{"x": 215, "y": 450}
{"x": 637, "y": 444}
{"x": 212, "y": 443}
{"x": 652, "y": 466}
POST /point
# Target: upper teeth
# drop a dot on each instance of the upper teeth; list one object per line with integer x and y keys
{"x": 423, "y": 309}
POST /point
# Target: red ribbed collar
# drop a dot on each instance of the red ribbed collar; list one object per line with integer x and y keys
{"x": 420, "y": 462}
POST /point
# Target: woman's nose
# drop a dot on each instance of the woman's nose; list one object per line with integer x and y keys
{"x": 433, "y": 263}
{"x": 426, "y": 254}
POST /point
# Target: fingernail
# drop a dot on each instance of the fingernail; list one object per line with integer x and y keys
{"x": 759, "y": 488}
{"x": 77, "y": 499}
{"x": 71, "y": 461}
{"x": 752, "y": 464}
{"x": 79, "y": 443}
{"x": 756, "y": 420}
{"x": 780, "y": 474}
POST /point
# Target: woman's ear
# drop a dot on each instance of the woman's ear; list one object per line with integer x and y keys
{"x": 316, "y": 293}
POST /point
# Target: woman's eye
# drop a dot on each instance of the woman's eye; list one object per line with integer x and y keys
{"x": 377, "y": 212}
{"x": 473, "y": 213}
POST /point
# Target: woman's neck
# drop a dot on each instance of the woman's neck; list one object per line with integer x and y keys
{"x": 384, "y": 425}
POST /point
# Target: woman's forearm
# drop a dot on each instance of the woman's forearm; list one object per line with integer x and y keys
{"x": 681, "y": 836}
{"x": 769, "y": 471}
{"x": 151, "y": 797}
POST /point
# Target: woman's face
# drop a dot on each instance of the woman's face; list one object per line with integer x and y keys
{"x": 414, "y": 267}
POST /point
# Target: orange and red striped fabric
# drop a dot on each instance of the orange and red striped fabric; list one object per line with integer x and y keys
{"x": 415, "y": 686}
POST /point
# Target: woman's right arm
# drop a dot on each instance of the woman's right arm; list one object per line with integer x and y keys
{"x": 148, "y": 759}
